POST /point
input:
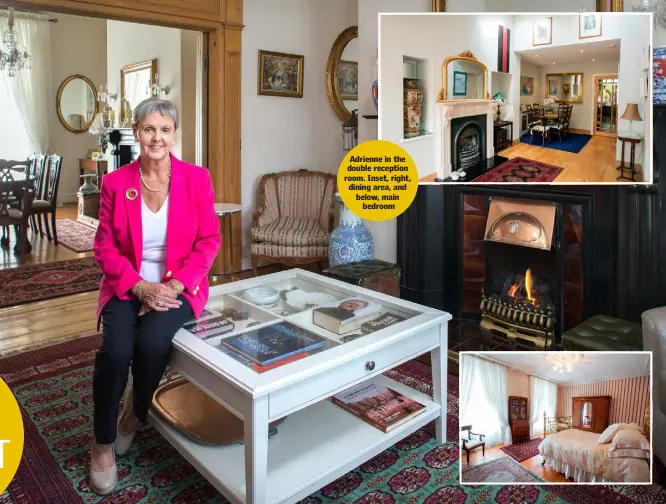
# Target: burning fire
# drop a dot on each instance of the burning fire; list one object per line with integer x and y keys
{"x": 529, "y": 290}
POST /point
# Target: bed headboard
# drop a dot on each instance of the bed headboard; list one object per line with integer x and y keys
{"x": 646, "y": 422}
{"x": 551, "y": 425}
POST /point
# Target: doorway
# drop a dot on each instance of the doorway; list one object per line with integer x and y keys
{"x": 605, "y": 110}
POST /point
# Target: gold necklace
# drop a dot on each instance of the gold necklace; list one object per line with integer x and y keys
{"x": 143, "y": 181}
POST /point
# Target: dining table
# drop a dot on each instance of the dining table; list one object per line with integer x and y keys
{"x": 22, "y": 185}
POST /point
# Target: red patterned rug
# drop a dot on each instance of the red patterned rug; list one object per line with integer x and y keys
{"x": 75, "y": 235}
{"x": 520, "y": 169}
{"x": 50, "y": 280}
{"x": 501, "y": 470}
{"x": 523, "y": 451}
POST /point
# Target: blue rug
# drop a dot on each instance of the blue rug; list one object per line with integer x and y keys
{"x": 573, "y": 142}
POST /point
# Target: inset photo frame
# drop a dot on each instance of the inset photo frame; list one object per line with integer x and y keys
{"x": 280, "y": 74}
{"x": 589, "y": 25}
{"x": 459, "y": 83}
{"x": 542, "y": 33}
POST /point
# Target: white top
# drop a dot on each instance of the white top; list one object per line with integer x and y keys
{"x": 227, "y": 208}
{"x": 154, "y": 227}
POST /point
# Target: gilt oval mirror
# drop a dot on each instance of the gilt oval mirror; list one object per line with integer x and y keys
{"x": 76, "y": 103}
{"x": 464, "y": 78}
{"x": 342, "y": 74}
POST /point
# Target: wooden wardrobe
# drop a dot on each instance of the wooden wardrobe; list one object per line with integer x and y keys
{"x": 590, "y": 413}
{"x": 519, "y": 422}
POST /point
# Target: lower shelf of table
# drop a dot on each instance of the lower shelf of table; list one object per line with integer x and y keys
{"x": 313, "y": 447}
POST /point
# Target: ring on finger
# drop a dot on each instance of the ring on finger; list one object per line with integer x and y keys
{"x": 160, "y": 303}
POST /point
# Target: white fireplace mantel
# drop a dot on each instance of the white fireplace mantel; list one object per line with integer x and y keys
{"x": 465, "y": 108}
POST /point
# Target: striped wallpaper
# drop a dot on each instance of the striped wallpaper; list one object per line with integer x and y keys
{"x": 628, "y": 398}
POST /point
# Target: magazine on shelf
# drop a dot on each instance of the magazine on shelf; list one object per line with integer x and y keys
{"x": 206, "y": 328}
{"x": 348, "y": 316}
{"x": 378, "y": 405}
{"x": 275, "y": 342}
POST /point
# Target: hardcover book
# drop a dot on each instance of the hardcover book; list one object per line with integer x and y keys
{"x": 348, "y": 316}
{"x": 378, "y": 405}
{"x": 273, "y": 343}
{"x": 209, "y": 327}
{"x": 383, "y": 321}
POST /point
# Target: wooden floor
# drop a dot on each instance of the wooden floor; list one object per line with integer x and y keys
{"x": 595, "y": 163}
{"x": 32, "y": 325}
{"x": 533, "y": 464}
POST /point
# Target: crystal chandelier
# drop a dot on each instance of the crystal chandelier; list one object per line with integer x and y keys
{"x": 563, "y": 361}
{"x": 12, "y": 57}
{"x": 157, "y": 89}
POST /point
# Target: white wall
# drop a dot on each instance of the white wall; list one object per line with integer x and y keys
{"x": 529, "y": 70}
{"x": 69, "y": 56}
{"x": 129, "y": 43}
{"x": 565, "y": 30}
{"x": 279, "y": 133}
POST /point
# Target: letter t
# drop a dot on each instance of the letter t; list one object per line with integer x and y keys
{"x": 2, "y": 461}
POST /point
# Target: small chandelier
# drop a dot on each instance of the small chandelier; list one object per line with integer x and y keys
{"x": 13, "y": 58}
{"x": 563, "y": 361}
{"x": 157, "y": 89}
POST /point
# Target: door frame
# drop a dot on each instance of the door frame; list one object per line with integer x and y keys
{"x": 594, "y": 101}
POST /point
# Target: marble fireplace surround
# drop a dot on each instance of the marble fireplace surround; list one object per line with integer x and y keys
{"x": 465, "y": 108}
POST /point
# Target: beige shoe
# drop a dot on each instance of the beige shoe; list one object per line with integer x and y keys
{"x": 122, "y": 443}
{"x": 103, "y": 482}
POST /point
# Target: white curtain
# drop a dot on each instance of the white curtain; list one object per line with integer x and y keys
{"x": 30, "y": 90}
{"x": 543, "y": 398}
{"x": 484, "y": 400}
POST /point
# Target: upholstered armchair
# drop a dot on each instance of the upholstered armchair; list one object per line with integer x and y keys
{"x": 294, "y": 219}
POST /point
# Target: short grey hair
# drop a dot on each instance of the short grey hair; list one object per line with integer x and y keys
{"x": 150, "y": 105}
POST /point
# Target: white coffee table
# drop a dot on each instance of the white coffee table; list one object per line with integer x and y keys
{"x": 318, "y": 441}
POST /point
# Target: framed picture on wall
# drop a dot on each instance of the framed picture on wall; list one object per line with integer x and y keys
{"x": 526, "y": 85}
{"x": 348, "y": 80}
{"x": 439, "y": 5}
{"x": 459, "y": 83}
{"x": 542, "y": 31}
{"x": 280, "y": 74}
{"x": 589, "y": 25}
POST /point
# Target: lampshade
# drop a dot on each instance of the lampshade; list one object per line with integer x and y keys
{"x": 631, "y": 113}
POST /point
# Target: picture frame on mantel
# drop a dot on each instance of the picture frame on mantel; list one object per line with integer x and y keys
{"x": 440, "y": 5}
{"x": 542, "y": 33}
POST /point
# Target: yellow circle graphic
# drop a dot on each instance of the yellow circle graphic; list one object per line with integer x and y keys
{"x": 377, "y": 180}
{"x": 11, "y": 436}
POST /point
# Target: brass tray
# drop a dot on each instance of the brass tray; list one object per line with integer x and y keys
{"x": 198, "y": 416}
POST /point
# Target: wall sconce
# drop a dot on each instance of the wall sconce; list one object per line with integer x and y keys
{"x": 157, "y": 89}
{"x": 350, "y": 132}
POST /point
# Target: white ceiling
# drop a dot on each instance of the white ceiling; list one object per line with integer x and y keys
{"x": 594, "y": 366}
{"x": 571, "y": 54}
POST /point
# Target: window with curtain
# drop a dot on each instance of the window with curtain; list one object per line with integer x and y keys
{"x": 484, "y": 399}
{"x": 16, "y": 142}
{"x": 543, "y": 398}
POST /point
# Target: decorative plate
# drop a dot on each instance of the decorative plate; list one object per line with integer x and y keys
{"x": 261, "y": 295}
{"x": 301, "y": 300}
{"x": 659, "y": 75}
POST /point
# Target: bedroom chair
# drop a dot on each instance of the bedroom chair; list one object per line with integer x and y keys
{"x": 470, "y": 444}
{"x": 294, "y": 219}
{"x": 654, "y": 340}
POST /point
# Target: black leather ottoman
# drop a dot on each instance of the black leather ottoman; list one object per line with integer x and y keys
{"x": 602, "y": 332}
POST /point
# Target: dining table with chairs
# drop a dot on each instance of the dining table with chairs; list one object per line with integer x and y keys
{"x": 543, "y": 120}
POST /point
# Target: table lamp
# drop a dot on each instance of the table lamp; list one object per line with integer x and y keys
{"x": 631, "y": 114}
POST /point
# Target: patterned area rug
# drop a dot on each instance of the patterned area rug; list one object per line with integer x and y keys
{"x": 501, "y": 470}
{"x": 75, "y": 235}
{"x": 53, "y": 387}
{"x": 573, "y": 142}
{"x": 523, "y": 451}
{"x": 50, "y": 280}
{"x": 520, "y": 169}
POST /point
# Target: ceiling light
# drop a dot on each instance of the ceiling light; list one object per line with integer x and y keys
{"x": 581, "y": 50}
{"x": 592, "y": 59}
{"x": 563, "y": 361}
{"x": 612, "y": 45}
{"x": 553, "y": 62}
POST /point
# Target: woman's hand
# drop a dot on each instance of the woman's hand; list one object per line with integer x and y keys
{"x": 143, "y": 310}
{"x": 157, "y": 296}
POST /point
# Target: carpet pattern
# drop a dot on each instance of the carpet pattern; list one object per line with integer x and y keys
{"x": 520, "y": 169}
{"x": 523, "y": 451}
{"x": 75, "y": 235}
{"x": 573, "y": 142}
{"x": 50, "y": 280}
{"x": 501, "y": 470}
{"x": 53, "y": 388}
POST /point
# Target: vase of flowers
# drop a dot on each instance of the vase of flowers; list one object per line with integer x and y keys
{"x": 350, "y": 241}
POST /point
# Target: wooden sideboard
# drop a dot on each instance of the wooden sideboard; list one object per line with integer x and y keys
{"x": 590, "y": 413}
{"x": 519, "y": 418}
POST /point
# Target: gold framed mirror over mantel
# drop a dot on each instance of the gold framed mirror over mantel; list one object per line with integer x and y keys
{"x": 135, "y": 83}
{"x": 342, "y": 74}
{"x": 464, "y": 77}
{"x": 565, "y": 87}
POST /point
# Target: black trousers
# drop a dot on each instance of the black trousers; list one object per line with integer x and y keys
{"x": 142, "y": 342}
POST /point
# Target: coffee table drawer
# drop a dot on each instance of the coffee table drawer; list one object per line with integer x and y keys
{"x": 347, "y": 374}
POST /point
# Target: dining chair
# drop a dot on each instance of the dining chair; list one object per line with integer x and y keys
{"x": 17, "y": 217}
{"x": 46, "y": 205}
{"x": 536, "y": 119}
{"x": 36, "y": 172}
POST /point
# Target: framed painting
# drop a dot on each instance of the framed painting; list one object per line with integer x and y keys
{"x": 526, "y": 86}
{"x": 280, "y": 74}
{"x": 459, "y": 83}
{"x": 542, "y": 31}
{"x": 439, "y": 5}
{"x": 589, "y": 25}
{"x": 553, "y": 88}
{"x": 348, "y": 80}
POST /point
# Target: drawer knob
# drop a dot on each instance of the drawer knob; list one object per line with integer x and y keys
{"x": 370, "y": 365}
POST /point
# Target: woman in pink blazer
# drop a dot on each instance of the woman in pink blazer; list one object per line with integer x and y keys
{"x": 157, "y": 238}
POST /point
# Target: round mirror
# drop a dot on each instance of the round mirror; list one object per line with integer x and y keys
{"x": 77, "y": 103}
{"x": 464, "y": 78}
{"x": 342, "y": 74}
